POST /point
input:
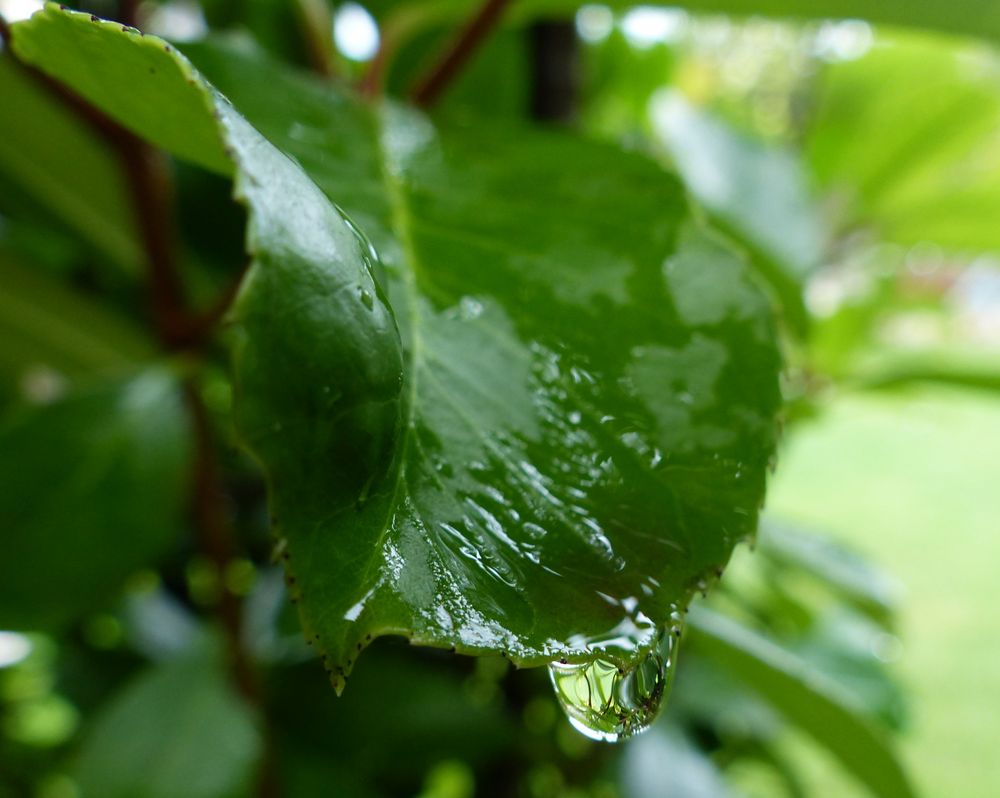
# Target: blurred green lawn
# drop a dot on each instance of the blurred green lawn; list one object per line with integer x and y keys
{"x": 913, "y": 481}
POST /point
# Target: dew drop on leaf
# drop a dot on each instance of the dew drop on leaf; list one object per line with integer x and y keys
{"x": 610, "y": 702}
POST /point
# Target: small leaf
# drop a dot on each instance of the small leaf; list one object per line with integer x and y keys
{"x": 177, "y": 729}
{"x": 43, "y": 324}
{"x": 64, "y": 166}
{"x": 805, "y": 698}
{"x": 664, "y": 764}
{"x": 93, "y": 488}
{"x": 834, "y": 564}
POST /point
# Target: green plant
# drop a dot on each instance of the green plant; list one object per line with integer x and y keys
{"x": 511, "y": 392}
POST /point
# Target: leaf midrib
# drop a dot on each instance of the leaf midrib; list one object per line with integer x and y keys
{"x": 400, "y": 222}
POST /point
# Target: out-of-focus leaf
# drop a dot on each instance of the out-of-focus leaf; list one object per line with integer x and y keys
{"x": 406, "y": 710}
{"x": 405, "y": 18}
{"x": 757, "y": 191}
{"x": 618, "y": 84}
{"x": 806, "y": 698}
{"x": 42, "y": 323}
{"x": 968, "y": 368}
{"x": 850, "y": 650}
{"x": 159, "y": 627}
{"x": 663, "y": 764}
{"x": 705, "y": 694}
{"x": 840, "y": 568}
{"x": 64, "y": 166}
{"x": 909, "y": 135}
{"x": 93, "y": 489}
{"x": 178, "y": 729}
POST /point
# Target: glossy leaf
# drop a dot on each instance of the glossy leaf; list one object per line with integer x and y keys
{"x": 178, "y": 729}
{"x": 806, "y": 698}
{"x": 574, "y": 341}
{"x": 93, "y": 488}
{"x": 580, "y": 432}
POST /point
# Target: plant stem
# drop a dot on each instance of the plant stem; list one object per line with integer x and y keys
{"x": 316, "y": 26}
{"x": 217, "y": 542}
{"x": 457, "y": 53}
{"x": 371, "y": 82}
{"x": 150, "y": 188}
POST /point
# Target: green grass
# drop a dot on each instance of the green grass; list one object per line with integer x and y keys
{"x": 914, "y": 482}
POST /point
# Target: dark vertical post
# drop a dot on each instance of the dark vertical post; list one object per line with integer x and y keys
{"x": 555, "y": 71}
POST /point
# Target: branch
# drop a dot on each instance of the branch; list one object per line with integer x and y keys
{"x": 316, "y": 27}
{"x": 150, "y": 188}
{"x": 371, "y": 82}
{"x": 429, "y": 88}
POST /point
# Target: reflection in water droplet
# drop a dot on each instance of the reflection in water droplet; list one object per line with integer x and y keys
{"x": 367, "y": 298}
{"x": 605, "y": 701}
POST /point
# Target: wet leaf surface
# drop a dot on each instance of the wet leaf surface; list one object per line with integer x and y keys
{"x": 564, "y": 427}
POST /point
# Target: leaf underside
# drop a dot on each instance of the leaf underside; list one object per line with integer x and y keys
{"x": 562, "y": 426}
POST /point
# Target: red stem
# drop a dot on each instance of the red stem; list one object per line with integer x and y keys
{"x": 430, "y": 87}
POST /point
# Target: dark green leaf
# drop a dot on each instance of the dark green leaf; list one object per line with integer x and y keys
{"x": 176, "y": 730}
{"x": 573, "y": 340}
{"x": 64, "y": 165}
{"x": 590, "y": 375}
{"x": 93, "y": 487}
{"x": 42, "y": 324}
{"x": 805, "y": 698}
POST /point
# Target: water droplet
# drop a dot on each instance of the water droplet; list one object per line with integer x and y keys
{"x": 609, "y": 702}
{"x": 367, "y": 298}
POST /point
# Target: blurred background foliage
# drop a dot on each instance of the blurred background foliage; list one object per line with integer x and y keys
{"x": 857, "y": 165}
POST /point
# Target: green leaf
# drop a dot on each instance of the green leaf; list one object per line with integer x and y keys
{"x": 806, "y": 698}
{"x": 589, "y": 389}
{"x": 849, "y": 649}
{"x": 44, "y": 324}
{"x": 758, "y": 192}
{"x": 935, "y": 178}
{"x": 567, "y": 326}
{"x": 834, "y": 564}
{"x": 966, "y": 17}
{"x": 178, "y": 729}
{"x": 664, "y": 764}
{"x": 64, "y": 166}
{"x": 93, "y": 489}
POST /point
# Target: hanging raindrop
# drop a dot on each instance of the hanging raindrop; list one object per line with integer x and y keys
{"x": 610, "y": 702}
